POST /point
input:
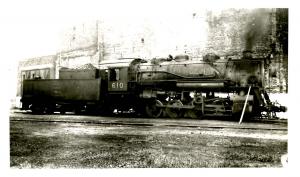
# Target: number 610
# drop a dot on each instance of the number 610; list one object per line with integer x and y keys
{"x": 117, "y": 85}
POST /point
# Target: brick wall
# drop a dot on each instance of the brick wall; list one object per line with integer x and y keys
{"x": 232, "y": 31}
{"x": 263, "y": 31}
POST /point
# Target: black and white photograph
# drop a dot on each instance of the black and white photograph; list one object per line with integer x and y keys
{"x": 139, "y": 85}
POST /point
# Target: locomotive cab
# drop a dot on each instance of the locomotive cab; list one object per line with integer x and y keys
{"x": 121, "y": 81}
{"x": 117, "y": 79}
{"x": 122, "y": 73}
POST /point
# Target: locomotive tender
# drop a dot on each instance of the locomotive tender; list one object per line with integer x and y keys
{"x": 178, "y": 87}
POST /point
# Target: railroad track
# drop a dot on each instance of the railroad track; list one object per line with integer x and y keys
{"x": 265, "y": 125}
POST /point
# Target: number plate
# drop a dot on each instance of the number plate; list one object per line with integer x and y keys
{"x": 117, "y": 86}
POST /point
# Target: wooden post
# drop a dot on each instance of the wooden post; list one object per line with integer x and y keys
{"x": 241, "y": 119}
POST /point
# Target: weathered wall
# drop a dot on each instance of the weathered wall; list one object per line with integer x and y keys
{"x": 78, "y": 45}
{"x": 226, "y": 32}
{"x": 232, "y": 31}
{"x": 82, "y": 34}
{"x": 77, "y": 57}
{"x": 149, "y": 37}
{"x": 262, "y": 31}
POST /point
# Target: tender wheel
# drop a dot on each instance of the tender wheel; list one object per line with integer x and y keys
{"x": 49, "y": 110}
{"x": 174, "y": 111}
{"x": 37, "y": 109}
{"x": 78, "y": 110}
{"x": 62, "y": 110}
{"x": 152, "y": 109}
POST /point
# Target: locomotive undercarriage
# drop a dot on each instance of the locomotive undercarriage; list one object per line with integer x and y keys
{"x": 48, "y": 107}
{"x": 200, "y": 103}
{"x": 194, "y": 107}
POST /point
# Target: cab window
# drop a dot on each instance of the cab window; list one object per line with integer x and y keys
{"x": 114, "y": 74}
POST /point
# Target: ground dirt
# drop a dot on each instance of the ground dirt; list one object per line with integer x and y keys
{"x": 83, "y": 145}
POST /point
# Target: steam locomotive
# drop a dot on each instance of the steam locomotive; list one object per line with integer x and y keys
{"x": 173, "y": 87}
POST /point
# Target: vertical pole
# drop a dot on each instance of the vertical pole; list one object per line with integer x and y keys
{"x": 241, "y": 119}
{"x": 202, "y": 100}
